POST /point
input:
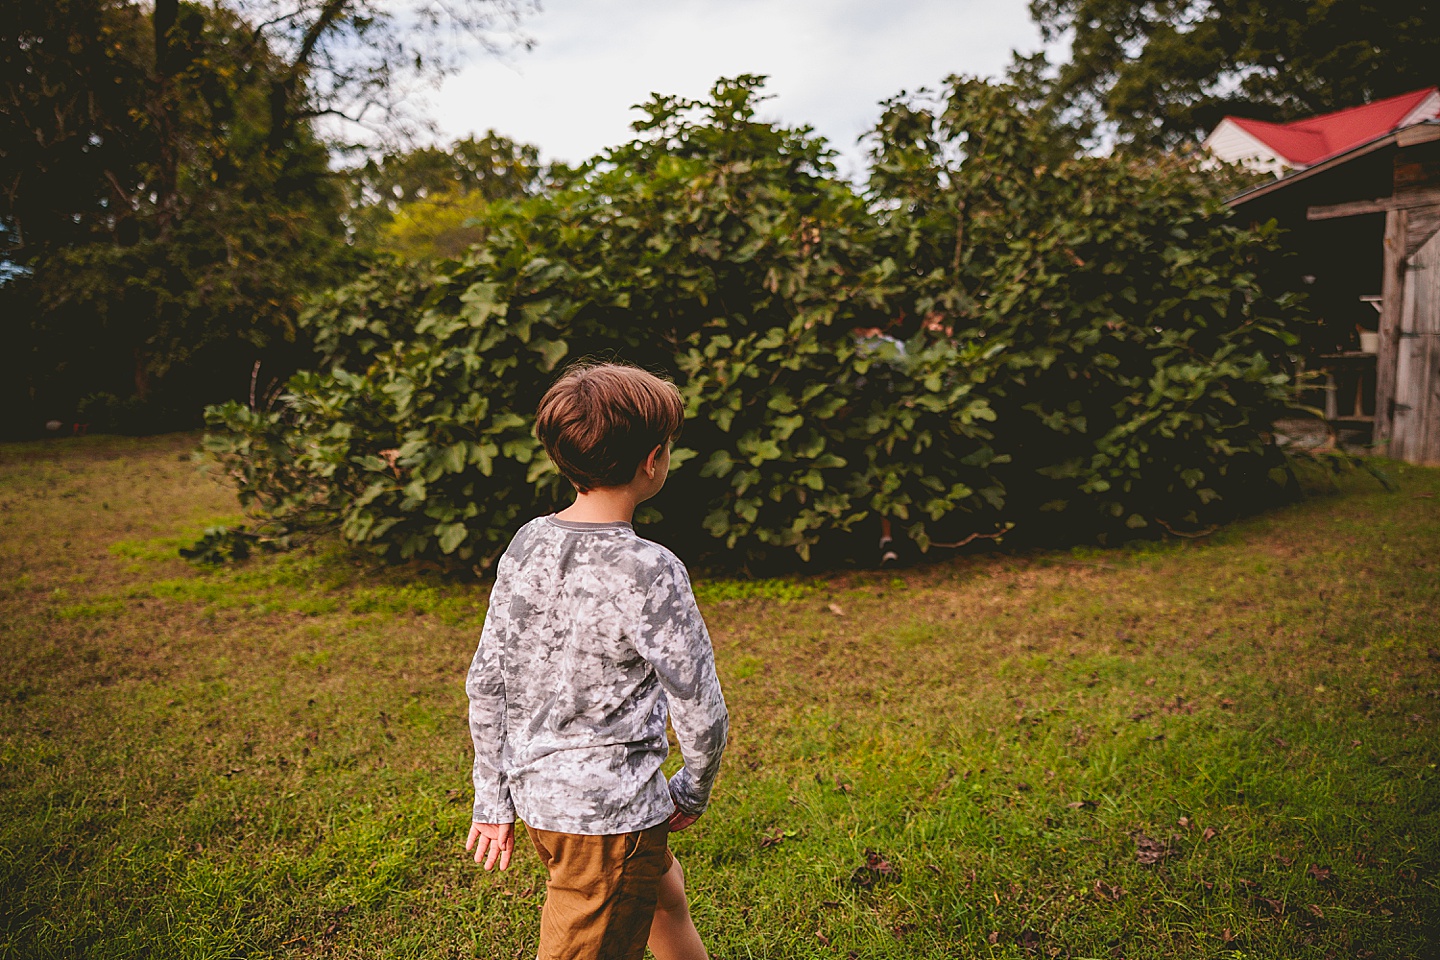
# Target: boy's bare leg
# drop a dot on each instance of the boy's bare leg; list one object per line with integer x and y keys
{"x": 672, "y": 933}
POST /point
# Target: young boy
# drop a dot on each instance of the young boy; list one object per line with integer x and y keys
{"x": 591, "y": 638}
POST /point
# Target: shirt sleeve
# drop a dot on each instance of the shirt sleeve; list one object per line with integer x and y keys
{"x": 485, "y": 686}
{"x": 673, "y": 639}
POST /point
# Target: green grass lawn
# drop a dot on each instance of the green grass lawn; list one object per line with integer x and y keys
{"x": 1215, "y": 748}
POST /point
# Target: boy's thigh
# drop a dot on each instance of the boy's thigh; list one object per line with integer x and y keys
{"x": 600, "y": 897}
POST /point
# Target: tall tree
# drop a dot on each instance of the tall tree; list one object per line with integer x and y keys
{"x": 1166, "y": 71}
{"x": 163, "y": 245}
{"x": 165, "y": 193}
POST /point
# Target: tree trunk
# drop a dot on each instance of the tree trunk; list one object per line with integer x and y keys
{"x": 142, "y": 375}
{"x": 282, "y": 91}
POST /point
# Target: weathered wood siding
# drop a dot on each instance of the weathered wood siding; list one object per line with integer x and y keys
{"x": 1415, "y": 431}
{"x": 1392, "y": 286}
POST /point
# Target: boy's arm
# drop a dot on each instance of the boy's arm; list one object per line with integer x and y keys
{"x": 485, "y": 686}
{"x": 674, "y": 640}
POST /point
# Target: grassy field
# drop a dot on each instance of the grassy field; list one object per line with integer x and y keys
{"x": 1213, "y": 748}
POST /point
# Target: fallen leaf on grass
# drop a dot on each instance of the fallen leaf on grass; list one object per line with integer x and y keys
{"x": 824, "y": 940}
{"x": 776, "y": 837}
{"x": 1107, "y": 892}
{"x": 1209, "y": 834}
{"x": 1226, "y": 936}
{"x": 1275, "y": 907}
{"x": 835, "y": 609}
{"x": 1280, "y": 742}
{"x": 1314, "y": 908}
{"x": 1285, "y": 861}
{"x": 994, "y": 938}
{"x": 1321, "y": 874}
{"x": 1149, "y": 851}
{"x": 1030, "y": 940}
{"x": 1082, "y": 804}
{"x": 875, "y": 869}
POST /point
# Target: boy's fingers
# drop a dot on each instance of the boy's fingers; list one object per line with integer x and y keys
{"x": 474, "y": 832}
{"x": 494, "y": 846}
{"x": 505, "y": 852}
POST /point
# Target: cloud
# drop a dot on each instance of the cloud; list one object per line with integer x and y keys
{"x": 830, "y": 63}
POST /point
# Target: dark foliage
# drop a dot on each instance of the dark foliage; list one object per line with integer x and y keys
{"x": 165, "y": 245}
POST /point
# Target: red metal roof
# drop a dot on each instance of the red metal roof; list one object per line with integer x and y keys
{"x": 1308, "y": 141}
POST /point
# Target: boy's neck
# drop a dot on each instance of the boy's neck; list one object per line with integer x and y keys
{"x": 601, "y": 505}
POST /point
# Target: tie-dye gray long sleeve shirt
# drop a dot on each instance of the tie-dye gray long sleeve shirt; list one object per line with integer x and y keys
{"x": 592, "y": 638}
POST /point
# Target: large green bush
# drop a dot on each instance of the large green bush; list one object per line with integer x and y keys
{"x": 1001, "y": 335}
{"x": 1139, "y": 362}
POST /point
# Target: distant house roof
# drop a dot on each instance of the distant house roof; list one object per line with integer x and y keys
{"x": 1302, "y": 143}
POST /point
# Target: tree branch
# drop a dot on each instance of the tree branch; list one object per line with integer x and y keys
{"x": 265, "y": 24}
{"x": 328, "y": 15}
{"x": 970, "y": 539}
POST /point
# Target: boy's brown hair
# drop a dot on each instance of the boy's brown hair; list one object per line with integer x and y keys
{"x": 600, "y": 421}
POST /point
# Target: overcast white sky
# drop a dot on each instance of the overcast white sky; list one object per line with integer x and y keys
{"x": 830, "y": 63}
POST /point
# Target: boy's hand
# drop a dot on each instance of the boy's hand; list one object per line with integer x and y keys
{"x": 498, "y": 840}
{"x": 679, "y": 820}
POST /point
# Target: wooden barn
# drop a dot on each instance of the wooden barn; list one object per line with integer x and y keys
{"x": 1364, "y": 225}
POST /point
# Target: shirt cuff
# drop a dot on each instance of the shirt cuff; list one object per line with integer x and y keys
{"x": 686, "y": 797}
{"x": 482, "y": 814}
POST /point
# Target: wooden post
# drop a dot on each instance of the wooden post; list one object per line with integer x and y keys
{"x": 1423, "y": 342}
{"x": 1392, "y": 289}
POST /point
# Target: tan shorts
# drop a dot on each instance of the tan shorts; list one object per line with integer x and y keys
{"x": 601, "y": 894}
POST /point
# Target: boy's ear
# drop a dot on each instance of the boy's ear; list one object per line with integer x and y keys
{"x": 650, "y": 461}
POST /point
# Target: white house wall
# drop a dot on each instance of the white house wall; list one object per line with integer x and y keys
{"x": 1427, "y": 109}
{"x": 1230, "y": 143}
